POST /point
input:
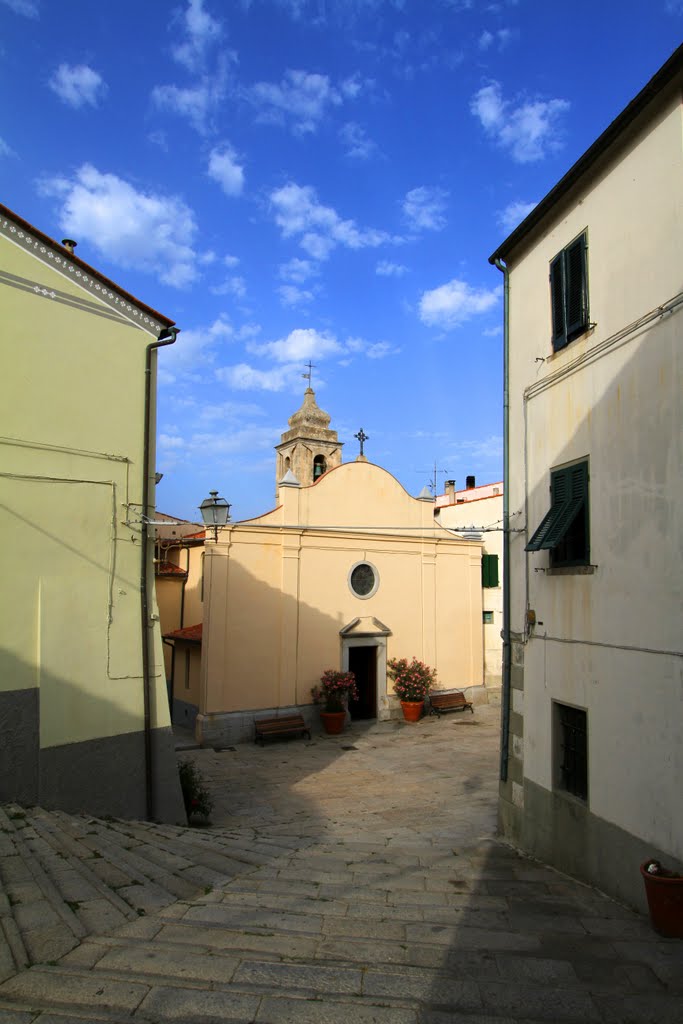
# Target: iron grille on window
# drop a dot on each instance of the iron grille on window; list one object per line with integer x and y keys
{"x": 573, "y": 742}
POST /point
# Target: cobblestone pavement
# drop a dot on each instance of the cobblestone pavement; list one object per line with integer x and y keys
{"x": 347, "y": 879}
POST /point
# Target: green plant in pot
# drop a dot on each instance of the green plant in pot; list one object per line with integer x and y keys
{"x": 412, "y": 681}
{"x": 333, "y": 694}
{"x": 198, "y": 802}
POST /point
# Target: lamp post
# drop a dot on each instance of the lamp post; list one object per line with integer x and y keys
{"x": 215, "y": 512}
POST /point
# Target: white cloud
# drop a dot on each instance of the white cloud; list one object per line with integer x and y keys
{"x": 202, "y": 31}
{"x": 485, "y": 448}
{"x": 225, "y": 169}
{"x": 373, "y": 350}
{"x": 300, "y": 99}
{"x": 199, "y": 100}
{"x": 297, "y": 271}
{"x": 500, "y": 39}
{"x": 359, "y": 146}
{"x": 294, "y": 297}
{"x": 529, "y": 130}
{"x": 6, "y": 150}
{"x": 231, "y": 261}
{"x": 354, "y": 85}
{"x": 231, "y": 286}
{"x": 196, "y": 103}
{"x": 298, "y": 212}
{"x": 78, "y": 85}
{"x": 424, "y": 208}
{"x": 387, "y": 269}
{"x": 243, "y": 377}
{"x": 193, "y": 351}
{"x": 299, "y": 345}
{"x": 142, "y": 230}
{"x": 514, "y": 213}
{"x": 29, "y": 8}
{"x": 452, "y": 303}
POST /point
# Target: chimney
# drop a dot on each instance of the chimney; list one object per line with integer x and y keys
{"x": 469, "y": 483}
{"x": 69, "y": 244}
{"x": 450, "y": 488}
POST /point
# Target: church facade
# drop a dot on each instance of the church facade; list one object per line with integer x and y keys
{"x": 348, "y": 571}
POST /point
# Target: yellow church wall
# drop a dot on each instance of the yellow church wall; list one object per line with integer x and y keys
{"x": 279, "y": 594}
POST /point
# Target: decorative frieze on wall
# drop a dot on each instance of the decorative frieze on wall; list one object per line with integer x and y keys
{"x": 61, "y": 263}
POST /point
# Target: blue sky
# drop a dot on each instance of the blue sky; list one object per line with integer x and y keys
{"x": 312, "y": 179}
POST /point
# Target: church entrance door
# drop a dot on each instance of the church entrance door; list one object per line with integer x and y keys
{"x": 363, "y": 663}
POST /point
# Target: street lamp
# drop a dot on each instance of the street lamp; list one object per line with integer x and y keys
{"x": 215, "y": 512}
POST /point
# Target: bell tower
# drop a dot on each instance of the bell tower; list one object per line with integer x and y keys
{"x": 309, "y": 448}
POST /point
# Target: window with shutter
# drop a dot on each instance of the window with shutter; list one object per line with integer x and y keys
{"x": 489, "y": 571}
{"x": 569, "y": 293}
{"x": 564, "y": 529}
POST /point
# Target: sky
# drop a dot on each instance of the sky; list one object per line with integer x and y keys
{"x": 312, "y": 180}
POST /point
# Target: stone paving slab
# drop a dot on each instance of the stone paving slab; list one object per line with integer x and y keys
{"x": 322, "y": 895}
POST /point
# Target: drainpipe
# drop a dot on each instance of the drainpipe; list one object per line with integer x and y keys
{"x": 507, "y": 660}
{"x": 167, "y": 337}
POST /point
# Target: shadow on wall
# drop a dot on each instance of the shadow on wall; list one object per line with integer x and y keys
{"x": 104, "y": 775}
{"x": 602, "y": 631}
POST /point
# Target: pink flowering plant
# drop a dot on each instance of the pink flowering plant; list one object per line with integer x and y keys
{"x": 412, "y": 679}
{"x": 335, "y": 689}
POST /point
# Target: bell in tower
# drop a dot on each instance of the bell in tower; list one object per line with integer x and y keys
{"x": 309, "y": 448}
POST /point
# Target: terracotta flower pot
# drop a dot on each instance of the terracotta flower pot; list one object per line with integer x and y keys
{"x": 333, "y": 721}
{"x": 665, "y": 901}
{"x": 412, "y": 710}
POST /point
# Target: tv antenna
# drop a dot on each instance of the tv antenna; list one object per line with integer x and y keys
{"x": 433, "y": 477}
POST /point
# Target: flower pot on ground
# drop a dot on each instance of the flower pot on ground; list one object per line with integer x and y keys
{"x": 412, "y": 710}
{"x": 412, "y": 681}
{"x": 333, "y": 694}
{"x": 333, "y": 722}
{"x": 664, "y": 891}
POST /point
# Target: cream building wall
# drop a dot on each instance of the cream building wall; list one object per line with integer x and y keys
{"x": 279, "y": 610}
{"x": 607, "y": 636}
{"x": 71, "y": 675}
{"x": 479, "y": 512}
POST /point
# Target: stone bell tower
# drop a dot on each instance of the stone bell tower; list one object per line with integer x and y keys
{"x": 309, "y": 447}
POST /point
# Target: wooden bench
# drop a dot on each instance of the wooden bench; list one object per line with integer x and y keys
{"x": 285, "y": 725}
{"x": 442, "y": 702}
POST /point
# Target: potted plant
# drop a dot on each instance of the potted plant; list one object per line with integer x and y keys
{"x": 412, "y": 681}
{"x": 333, "y": 694}
{"x": 664, "y": 891}
{"x": 197, "y": 800}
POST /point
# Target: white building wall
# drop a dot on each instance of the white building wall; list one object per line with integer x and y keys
{"x": 608, "y": 641}
{"x": 486, "y": 515}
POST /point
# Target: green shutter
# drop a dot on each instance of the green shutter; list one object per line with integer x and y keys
{"x": 489, "y": 570}
{"x": 576, "y": 291}
{"x": 569, "y": 494}
{"x": 557, "y": 301}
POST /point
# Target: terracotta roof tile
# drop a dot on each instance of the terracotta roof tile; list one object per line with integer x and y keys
{"x": 193, "y": 634}
{"x": 164, "y": 568}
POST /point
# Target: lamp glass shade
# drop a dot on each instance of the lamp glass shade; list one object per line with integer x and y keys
{"x": 214, "y": 510}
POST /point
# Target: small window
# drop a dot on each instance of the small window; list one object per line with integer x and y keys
{"x": 571, "y": 750}
{"x": 564, "y": 529}
{"x": 489, "y": 571}
{"x": 187, "y": 670}
{"x": 363, "y": 580}
{"x": 319, "y": 466}
{"x": 488, "y": 618}
{"x": 569, "y": 293}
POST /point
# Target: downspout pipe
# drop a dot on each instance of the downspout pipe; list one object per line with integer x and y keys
{"x": 167, "y": 337}
{"x": 507, "y": 652}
